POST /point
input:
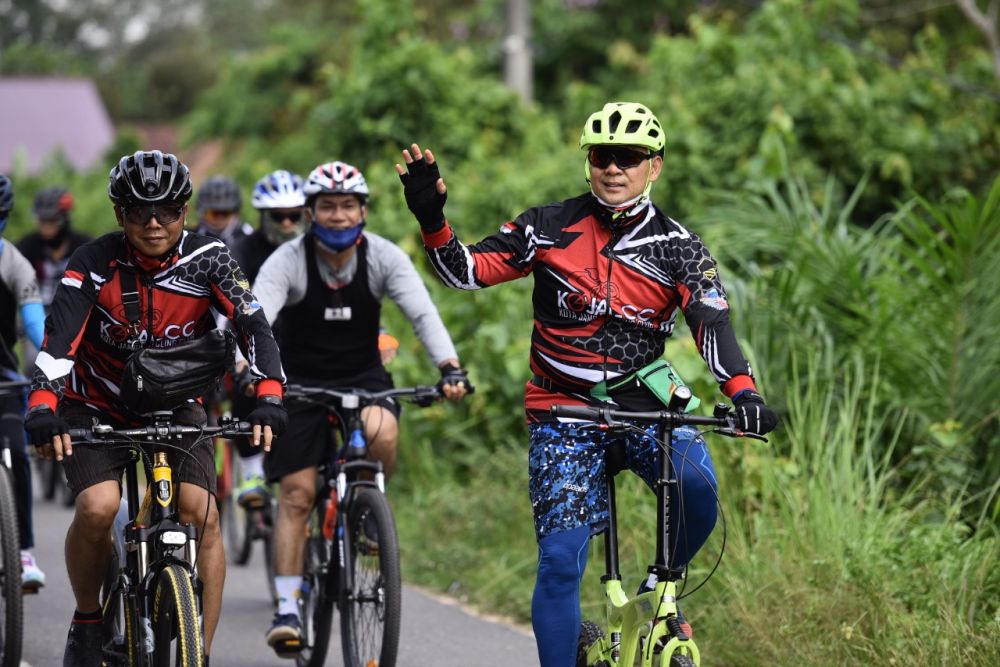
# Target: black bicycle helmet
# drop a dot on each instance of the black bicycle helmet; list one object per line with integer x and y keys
{"x": 52, "y": 203}
{"x": 219, "y": 193}
{"x": 149, "y": 177}
{"x": 6, "y": 194}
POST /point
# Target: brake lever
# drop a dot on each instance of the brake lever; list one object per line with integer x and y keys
{"x": 736, "y": 433}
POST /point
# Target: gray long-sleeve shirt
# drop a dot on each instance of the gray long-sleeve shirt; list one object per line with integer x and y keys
{"x": 282, "y": 281}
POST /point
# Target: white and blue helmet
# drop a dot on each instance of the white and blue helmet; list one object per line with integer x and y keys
{"x": 279, "y": 189}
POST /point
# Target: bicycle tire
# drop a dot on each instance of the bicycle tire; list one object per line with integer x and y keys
{"x": 590, "y": 632}
{"x": 678, "y": 660}
{"x": 316, "y": 600}
{"x": 236, "y": 527}
{"x": 176, "y": 626}
{"x": 11, "y": 609}
{"x": 267, "y": 542}
{"x": 370, "y": 611}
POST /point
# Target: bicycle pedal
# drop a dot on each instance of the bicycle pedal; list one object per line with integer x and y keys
{"x": 31, "y": 589}
{"x": 288, "y": 648}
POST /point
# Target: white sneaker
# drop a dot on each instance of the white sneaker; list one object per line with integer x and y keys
{"x": 32, "y": 578}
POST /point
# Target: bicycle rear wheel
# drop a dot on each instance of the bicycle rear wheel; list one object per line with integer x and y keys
{"x": 176, "y": 626}
{"x": 11, "y": 618}
{"x": 317, "y": 598}
{"x": 370, "y": 607}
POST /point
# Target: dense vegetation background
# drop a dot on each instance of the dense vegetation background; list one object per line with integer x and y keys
{"x": 840, "y": 158}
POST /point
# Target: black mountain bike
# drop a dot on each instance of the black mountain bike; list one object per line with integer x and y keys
{"x": 11, "y": 619}
{"x": 352, "y": 552}
{"x": 644, "y": 630}
{"x": 151, "y": 598}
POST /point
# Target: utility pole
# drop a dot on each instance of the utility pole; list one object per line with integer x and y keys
{"x": 517, "y": 64}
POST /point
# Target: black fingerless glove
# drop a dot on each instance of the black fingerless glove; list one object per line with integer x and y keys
{"x": 752, "y": 414}
{"x": 422, "y": 197}
{"x": 452, "y": 375}
{"x": 42, "y": 424}
{"x": 269, "y": 412}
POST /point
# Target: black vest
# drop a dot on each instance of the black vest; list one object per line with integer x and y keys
{"x": 331, "y": 333}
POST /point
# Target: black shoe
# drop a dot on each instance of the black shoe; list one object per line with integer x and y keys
{"x": 285, "y": 635}
{"x": 83, "y": 645}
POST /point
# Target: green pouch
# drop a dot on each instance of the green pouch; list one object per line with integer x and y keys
{"x": 646, "y": 389}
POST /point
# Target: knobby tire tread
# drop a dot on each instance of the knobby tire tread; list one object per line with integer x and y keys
{"x": 175, "y": 608}
{"x": 11, "y": 632}
{"x": 359, "y": 619}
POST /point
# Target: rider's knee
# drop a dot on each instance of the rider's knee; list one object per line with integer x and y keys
{"x": 96, "y": 507}
{"x": 297, "y": 499}
{"x": 562, "y": 557}
{"x": 199, "y": 509}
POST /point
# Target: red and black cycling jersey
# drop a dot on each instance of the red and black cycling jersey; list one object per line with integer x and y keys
{"x": 87, "y": 333}
{"x": 646, "y": 270}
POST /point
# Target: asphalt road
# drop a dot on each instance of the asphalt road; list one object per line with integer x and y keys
{"x": 435, "y": 633}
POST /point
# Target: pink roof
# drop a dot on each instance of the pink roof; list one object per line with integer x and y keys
{"x": 41, "y": 115}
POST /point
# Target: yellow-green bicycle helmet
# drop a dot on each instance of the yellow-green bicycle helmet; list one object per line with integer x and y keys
{"x": 623, "y": 124}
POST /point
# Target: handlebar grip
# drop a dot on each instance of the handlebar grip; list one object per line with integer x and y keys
{"x": 80, "y": 433}
{"x": 574, "y": 411}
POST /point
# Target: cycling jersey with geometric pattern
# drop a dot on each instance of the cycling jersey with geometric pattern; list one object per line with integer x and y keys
{"x": 87, "y": 333}
{"x": 644, "y": 271}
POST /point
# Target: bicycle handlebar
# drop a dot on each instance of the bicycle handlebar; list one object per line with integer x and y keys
{"x": 607, "y": 417}
{"x": 421, "y": 393}
{"x": 108, "y": 432}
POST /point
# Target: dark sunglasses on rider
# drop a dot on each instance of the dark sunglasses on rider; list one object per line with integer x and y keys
{"x": 280, "y": 216}
{"x": 626, "y": 158}
{"x": 140, "y": 215}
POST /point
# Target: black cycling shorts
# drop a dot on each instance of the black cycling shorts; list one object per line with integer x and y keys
{"x": 93, "y": 464}
{"x": 307, "y": 440}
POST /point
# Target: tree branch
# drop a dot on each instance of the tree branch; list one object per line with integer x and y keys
{"x": 987, "y": 24}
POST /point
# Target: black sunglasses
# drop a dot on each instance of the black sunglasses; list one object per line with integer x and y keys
{"x": 626, "y": 158}
{"x": 280, "y": 216}
{"x": 140, "y": 215}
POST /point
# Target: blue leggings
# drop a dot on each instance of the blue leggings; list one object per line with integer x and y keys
{"x": 566, "y": 480}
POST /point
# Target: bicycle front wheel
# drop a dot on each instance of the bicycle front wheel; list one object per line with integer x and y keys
{"x": 10, "y": 576}
{"x": 176, "y": 626}
{"x": 370, "y": 596}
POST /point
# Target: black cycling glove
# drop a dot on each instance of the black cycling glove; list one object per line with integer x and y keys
{"x": 42, "y": 424}
{"x": 752, "y": 414}
{"x": 269, "y": 412}
{"x": 452, "y": 374}
{"x": 422, "y": 197}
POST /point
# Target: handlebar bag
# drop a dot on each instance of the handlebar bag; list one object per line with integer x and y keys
{"x": 165, "y": 378}
{"x": 644, "y": 390}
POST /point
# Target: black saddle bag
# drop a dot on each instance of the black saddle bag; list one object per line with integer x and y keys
{"x": 166, "y": 378}
{"x": 158, "y": 379}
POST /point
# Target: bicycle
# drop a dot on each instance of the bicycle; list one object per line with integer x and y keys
{"x": 151, "y": 597}
{"x": 352, "y": 551}
{"x": 243, "y": 526}
{"x": 646, "y": 625}
{"x": 11, "y": 596}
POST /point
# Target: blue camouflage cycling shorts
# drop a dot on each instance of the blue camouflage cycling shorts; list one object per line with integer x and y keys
{"x": 566, "y": 465}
